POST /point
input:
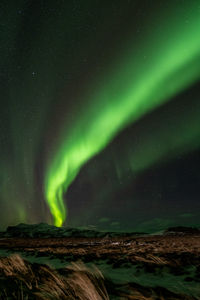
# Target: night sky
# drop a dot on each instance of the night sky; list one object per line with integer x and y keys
{"x": 100, "y": 113}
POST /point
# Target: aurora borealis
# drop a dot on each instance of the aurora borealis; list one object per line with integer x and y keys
{"x": 93, "y": 89}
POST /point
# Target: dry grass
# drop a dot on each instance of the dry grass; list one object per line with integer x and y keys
{"x": 82, "y": 283}
{"x": 136, "y": 293}
{"x": 22, "y": 281}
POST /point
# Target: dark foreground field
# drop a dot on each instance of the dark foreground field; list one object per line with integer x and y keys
{"x": 145, "y": 267}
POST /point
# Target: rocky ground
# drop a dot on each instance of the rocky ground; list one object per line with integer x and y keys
{"x": 165, "y": 266}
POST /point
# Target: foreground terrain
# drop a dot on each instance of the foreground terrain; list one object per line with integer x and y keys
{"x": 127, "y": 267}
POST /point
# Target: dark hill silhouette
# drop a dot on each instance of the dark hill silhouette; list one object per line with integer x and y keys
{"x": 43, "y": 230}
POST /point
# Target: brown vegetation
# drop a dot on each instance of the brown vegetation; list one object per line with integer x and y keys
{"x": 22, "y": 280}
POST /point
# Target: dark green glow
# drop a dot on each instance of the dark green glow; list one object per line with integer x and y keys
{"x": 138, "y": 86}
{"x": 173, "y": 134}
{"x": 28, "y": 88}
{"x": 178, "y": 137}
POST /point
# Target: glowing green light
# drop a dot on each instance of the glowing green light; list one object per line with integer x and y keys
{"x": 138, "y": 86}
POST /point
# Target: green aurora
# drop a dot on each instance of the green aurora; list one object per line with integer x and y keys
{"x": 180, "y": 136}
{"x": 139, "y": 80}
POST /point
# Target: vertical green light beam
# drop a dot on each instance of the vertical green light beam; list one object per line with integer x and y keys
{"x": 139, "y": 85}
